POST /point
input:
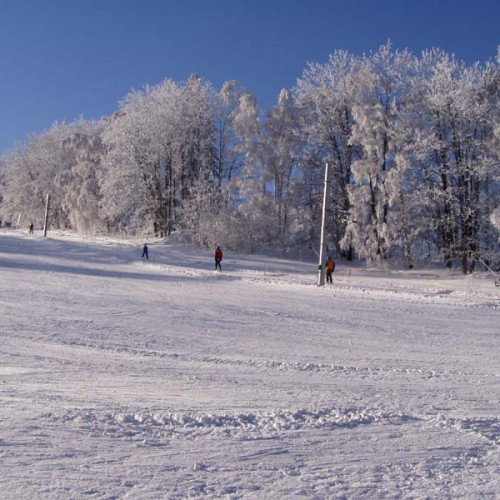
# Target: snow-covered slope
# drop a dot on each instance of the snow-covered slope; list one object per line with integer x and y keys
{"x": 163, "y": 379}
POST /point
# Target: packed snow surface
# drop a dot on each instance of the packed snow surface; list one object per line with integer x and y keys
{"x": 122, "y": 378}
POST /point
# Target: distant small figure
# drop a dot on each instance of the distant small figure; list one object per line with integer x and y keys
{"x": 32, "y": 227}
{"x": 330, "y": 267}
{"x": 145, "y": 252}
{"x": 218, "y": 258}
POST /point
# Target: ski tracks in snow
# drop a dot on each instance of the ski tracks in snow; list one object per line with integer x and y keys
{"x": 164, "y": 379}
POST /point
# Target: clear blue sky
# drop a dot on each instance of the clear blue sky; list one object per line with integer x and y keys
{"x": 64, "y": 58}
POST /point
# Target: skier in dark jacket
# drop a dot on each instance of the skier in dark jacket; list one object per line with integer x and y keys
{"x": 145, "y": 252}
{"x": 218, "y": 258}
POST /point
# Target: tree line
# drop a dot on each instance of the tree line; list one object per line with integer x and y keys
{"x": 413, "y": 143}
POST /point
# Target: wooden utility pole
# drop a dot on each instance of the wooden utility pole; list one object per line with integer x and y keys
{"x": 46, "y": 223}
{"x": 322, "y": 248}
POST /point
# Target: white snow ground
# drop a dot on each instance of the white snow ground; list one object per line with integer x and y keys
{"x": 124, "y": 379}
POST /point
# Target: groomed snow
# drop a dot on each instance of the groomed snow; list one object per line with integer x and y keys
{"x": 163, "y": 379}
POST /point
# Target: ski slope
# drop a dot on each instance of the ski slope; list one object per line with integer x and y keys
{"x": 164, "y": 379}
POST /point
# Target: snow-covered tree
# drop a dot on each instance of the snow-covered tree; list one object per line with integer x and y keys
{"x": 37, "y": 168}
{"x": 326, "y": 94}
{"x": 278, "y": 154}
{"x": 82, "y": 196}
{"x": 383, "y": 86}
{"x": 228, "y": 155}
{"x": 413, "y": 144}
{"x": 492, "y": 195}
{"x": 454, "y": 148}
{"x": 253, "y": 206}
{"x": 272, "y": 143}
{"x": 158, "y": 145}
{"x": 212, "y": 213}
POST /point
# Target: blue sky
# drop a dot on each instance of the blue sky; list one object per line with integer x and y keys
{"x": 64, "y": 58}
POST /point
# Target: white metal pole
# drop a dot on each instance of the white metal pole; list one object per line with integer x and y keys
{"x": 46, "y": 223}
{"x": 322, "y": 248}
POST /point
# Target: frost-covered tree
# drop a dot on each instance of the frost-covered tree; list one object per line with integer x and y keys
{"x": 278, "y": 153}
{"x": 82, "y": 196}
{"x": 228, "y": 159}
{"x": 254, "y": 214}
{"x": 454, "y": 147}
{"x": 272, "y": 143}
{"x": 383, "y": 86}
{"x": 413, "y": 144}
{"x": 131, "y": 178}
{"x": 326, "y": 94}
{"x": 37, "y": 168}
{"x": 209, "y": 213}
{"x": 212, "y": 214}
{"x": 158, "y": 145}
{"x": 194, "y": 145}
{"x": 247, "y": 128}
{"x": 491, "y": 200}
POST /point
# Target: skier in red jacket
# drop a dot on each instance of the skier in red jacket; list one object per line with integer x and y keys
{"x": 330, "y": 267}
{"x": 218, "y": 258}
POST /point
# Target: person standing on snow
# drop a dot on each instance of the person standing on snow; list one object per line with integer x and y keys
{"x": 218, "y": 258}
{"x": 32, "y": 227}
{"x": 145, "y": 252}
{"x": 330, "y": 267}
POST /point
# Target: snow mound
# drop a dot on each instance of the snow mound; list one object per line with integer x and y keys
{"x": 158, "y": 425}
